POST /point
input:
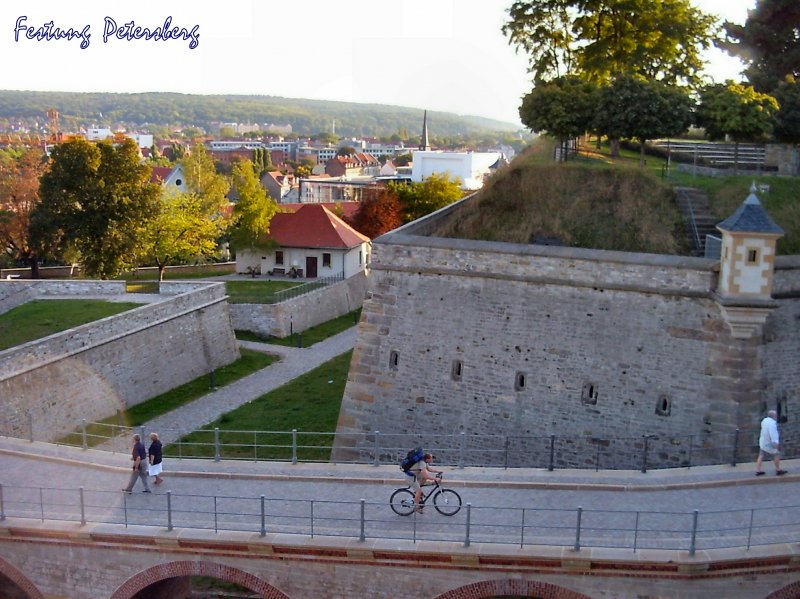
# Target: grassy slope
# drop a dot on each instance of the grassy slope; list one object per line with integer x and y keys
{"x": 599, "y": 202}
{"x": 40, "y": 318}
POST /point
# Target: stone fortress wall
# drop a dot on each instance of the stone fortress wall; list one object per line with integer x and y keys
{"x": 514, "y": 343}
{"x": 92, "y": 371}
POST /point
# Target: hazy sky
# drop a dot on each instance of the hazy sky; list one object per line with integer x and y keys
{"x": 444, "y": 55}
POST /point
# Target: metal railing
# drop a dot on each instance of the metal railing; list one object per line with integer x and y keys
{"x": 649, "y": 451}
{"x": 308, "y": 287}
{"x": 685, "y": 531}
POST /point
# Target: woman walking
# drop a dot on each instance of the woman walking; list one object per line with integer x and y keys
{"x": 154, "y": 457}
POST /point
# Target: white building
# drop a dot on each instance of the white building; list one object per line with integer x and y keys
{"x": 470, "y": 167}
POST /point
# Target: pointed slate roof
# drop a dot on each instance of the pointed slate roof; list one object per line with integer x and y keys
{"x": 313, "y": 226}
{"x": 751, "y": 218}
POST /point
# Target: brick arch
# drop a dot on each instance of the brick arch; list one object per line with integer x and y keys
{"x": 174, "y": 569}
{"x": 19, "y": 579}
{"x": 790, "y": 591}
{"x": 522, "y": 588}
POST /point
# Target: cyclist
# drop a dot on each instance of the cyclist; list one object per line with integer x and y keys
{"x": 423, "y": 472}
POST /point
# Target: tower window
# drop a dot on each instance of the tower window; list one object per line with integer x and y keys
{"x": 663, "y": 406}
{"x": 589, "y": 393}
{"x": 458, "y": 370}
{"x": 519, "y": 381}
{"x": 394, "y": 358}
{"x": 752, "y": 256}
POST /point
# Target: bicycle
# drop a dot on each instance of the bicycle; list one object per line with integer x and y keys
{"x": 446, "y": 501}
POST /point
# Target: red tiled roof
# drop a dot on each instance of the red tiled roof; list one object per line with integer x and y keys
{"x": 348, "y": 209}
{"x": 313, "y": 226}
{"x": 160, "y": 174}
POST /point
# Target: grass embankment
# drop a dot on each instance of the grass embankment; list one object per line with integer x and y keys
{"x": 39, "y": 318}
{"x": 308, "y": 403}
{"x": 596, "y": 201}
{"x": 309, "y": 337}
{"x": 573, "y": 204}
{"x": 98, "y": 432}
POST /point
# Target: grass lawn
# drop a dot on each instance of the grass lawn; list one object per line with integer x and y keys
{"x": 309, "y": 337}
{"x": 39, "y": 318}
{"x": 256, "y": 292}
{"x": 137, "y": 415}
{"x": 308, "y": 403}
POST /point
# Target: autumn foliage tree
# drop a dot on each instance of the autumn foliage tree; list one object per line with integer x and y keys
{"x": 380, "y": 211}
{"x": 19, "y": 195}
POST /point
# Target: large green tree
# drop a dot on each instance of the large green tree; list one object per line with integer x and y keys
{"x": 603, "y": 39}
{"x": 769, "y": 42}
{"x": 95, "y": 199}
{"x": 253, "y": 213}
{"x": 736, "y": 110}
{"x": 178, "y": 232}
{"x": 19, "y": 195}
{"x": 787, "y": 120}
{"x": 420, "y": 199}
{"x": 563, "y": 108}
{"x": 203, "y": 180}
{"x": 631, "y": 108}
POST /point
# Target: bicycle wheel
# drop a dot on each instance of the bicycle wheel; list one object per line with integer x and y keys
{"x": 447, "y": 502}
{"x": 402, "y": 502}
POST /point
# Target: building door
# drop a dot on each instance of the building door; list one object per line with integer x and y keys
{"x": 311, "y": 267}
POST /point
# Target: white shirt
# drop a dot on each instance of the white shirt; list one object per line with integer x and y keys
{"x": 769, "y": 439}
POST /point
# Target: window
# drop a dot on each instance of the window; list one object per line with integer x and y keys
{"x": 360, "y": 257}
{"x": 178, "y": 182}
{"x": 458, "y": 370}
{"x": 326, "y": 260}
{"x": 589, "y": 393}
{"x": 519, "y": 381}
{"x": 663, "y": 406}
{"x": 279, "y": 258}
{"x": 752, "y": 255}
{"x": 394, "y": 358}
{"x": 783, "y": 415}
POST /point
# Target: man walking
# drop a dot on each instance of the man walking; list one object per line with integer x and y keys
{"x": 769, "y": 447}
{"x": 139, "y": 457}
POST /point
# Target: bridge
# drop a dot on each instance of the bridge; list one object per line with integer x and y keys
{"x": 326, "y": 530}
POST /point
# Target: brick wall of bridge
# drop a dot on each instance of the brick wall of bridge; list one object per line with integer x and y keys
{"x": 52, "y": 560}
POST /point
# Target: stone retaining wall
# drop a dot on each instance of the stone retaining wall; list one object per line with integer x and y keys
{"x": 303, "y": 312}
{"x": 92, "y": 371}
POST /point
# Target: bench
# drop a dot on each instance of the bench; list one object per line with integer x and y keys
{"x": 277, "y": 271}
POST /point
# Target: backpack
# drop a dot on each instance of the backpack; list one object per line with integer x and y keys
{"x": 412, "y": 457}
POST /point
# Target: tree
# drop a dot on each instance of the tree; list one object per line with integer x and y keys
{"x": 19, "y": 195}
{"x": 180, "y": 231}
{"x": 420, "y": 199}
{"x": 253, "y": 212}
{"x": 203, "y": 180}
{"x": 768, "y": 42}
{"x": 380, "y": 211}
{"x": 787, "y": 120}
{"x": 346, "y": 151}
{"x": 602, "y": 39}
{"x": 635, "y": 109}
{"x": 563, "y": 108}
{"x": 95, "y": 198}
{"x": 403, "y": 159}
{"x": 735, "y": 110}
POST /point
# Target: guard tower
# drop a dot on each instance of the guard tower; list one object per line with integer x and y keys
{"x": 747, "y": 265}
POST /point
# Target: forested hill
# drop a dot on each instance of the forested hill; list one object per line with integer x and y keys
{"x": 306, "y": 116}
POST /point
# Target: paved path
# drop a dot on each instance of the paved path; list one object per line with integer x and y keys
{"x": 204, "y": 493}
{"x": 294, "y": 363}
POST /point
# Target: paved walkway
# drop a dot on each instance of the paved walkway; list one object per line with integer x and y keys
{"x": 294, "y": 363}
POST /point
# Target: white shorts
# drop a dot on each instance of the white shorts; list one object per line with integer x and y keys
{"x": 154, "y": 469}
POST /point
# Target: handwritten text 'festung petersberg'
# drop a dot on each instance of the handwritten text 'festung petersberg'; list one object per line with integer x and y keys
{"x": 126, "y": 31}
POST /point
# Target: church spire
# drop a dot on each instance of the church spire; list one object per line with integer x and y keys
{"x": 423, "y": 144}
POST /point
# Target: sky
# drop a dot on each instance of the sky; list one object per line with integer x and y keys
{"x": 440, "y": 55}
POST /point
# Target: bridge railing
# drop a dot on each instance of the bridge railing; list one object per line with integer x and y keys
{"x": 577, "y": 528}
{"x": 644, "y": 452}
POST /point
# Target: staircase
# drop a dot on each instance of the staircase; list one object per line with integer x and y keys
{"x": 693, "y": 204}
